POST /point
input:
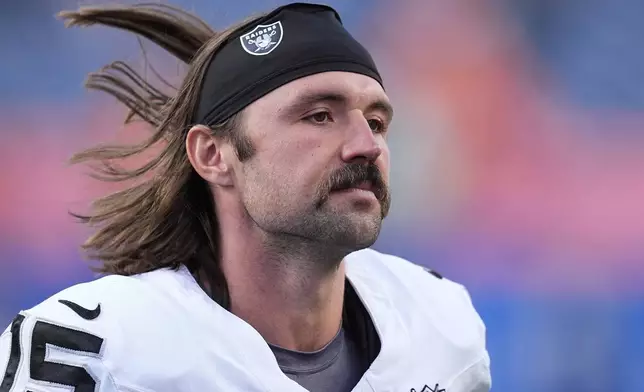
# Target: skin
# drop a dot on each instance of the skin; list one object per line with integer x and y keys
{"x": 285, "y": 227}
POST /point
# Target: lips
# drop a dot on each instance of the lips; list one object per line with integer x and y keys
{"x": 364, "y": 185}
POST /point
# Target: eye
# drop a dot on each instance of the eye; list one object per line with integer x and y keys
{"x": 320, "y": 118}
{"x": 376, "y": 125}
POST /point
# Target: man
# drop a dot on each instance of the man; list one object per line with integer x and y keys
{"x": 238, "y": 260}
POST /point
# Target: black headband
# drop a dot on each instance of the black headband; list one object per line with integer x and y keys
{"x": 293, "y": 41}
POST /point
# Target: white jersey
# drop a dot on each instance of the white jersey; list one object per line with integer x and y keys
{"x": 159, "y": 332}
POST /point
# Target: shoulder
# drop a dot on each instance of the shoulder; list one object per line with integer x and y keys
{"x": 371, "y": 262}
{"x": 97, "y": 327}
{"x": 90, "y": 304}
{"x": 437, "y": 314}
{"x": 104, "y": 307}
{"x": 397, "y": 273}
{"x": 115, "y": 304}
{"x": 418, "y": 289}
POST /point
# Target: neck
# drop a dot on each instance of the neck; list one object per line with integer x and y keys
{"x": 290, "y": 294}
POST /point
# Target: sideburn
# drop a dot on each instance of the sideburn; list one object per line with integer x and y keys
{"x": 244, "y": 147}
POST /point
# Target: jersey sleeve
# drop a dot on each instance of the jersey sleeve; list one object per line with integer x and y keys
{"x": 62, "y": 345}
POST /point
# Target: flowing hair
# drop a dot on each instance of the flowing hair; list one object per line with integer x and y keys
{"x": 166, "y": 218}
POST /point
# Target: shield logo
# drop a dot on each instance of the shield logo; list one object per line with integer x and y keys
{"x": 263, "y": 39}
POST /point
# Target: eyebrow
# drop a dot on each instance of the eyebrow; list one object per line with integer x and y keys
{"x": 305, "y": 100}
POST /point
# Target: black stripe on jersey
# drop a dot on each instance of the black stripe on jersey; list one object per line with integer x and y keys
{"x": 431, "y": 271}
{"x": 14, "y": 357}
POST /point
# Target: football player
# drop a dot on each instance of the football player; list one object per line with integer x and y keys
{"x": 237, "y": 259}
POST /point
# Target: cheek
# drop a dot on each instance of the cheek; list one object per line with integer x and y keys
{"x": 290, "y": 170}
{"x": 301, "y": 156}
{"x": 298, "y": 151}
{"x": 262, "y": 194}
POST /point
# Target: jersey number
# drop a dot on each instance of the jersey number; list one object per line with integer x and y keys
{"x": 44, "y": 334}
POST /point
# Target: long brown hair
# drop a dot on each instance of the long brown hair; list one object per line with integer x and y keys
{"x": 166, "y": 217}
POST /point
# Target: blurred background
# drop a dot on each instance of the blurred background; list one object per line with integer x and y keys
{"x": 518, "y": 164}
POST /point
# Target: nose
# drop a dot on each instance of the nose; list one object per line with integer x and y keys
{"x": 361, "y": 143}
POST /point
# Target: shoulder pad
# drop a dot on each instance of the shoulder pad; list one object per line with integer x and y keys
{"x": 78, "y": 338}
{"x": 419, "y": 291}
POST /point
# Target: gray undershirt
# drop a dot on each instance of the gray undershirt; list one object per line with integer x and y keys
{"x": 337, "y": 367}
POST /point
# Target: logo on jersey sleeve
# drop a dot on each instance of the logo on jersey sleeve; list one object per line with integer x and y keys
{"x": 263, "y": 39}
{"x": 87, "y": 314}
{"x": 427, "y": 388}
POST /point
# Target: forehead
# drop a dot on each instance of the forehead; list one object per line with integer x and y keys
{"x": 356, "y": 88}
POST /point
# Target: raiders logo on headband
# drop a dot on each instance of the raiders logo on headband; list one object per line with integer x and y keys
{"x": 263, "y": 39}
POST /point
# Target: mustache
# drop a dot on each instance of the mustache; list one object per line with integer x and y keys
{"x": 353, "y": 175}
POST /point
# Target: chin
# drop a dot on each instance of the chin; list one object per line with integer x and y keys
{"x": 334, "y": 228}
{"x": 358, "y": 234}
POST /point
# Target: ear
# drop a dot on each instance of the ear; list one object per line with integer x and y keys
{"x": 207, "y": 156}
